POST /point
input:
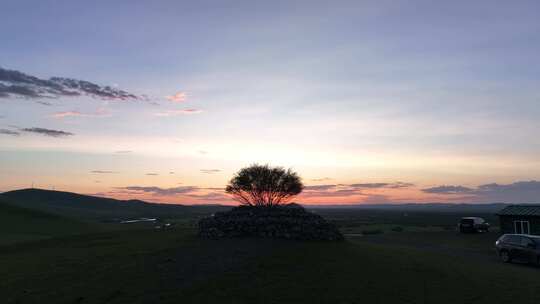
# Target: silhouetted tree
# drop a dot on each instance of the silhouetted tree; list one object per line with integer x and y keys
{"x": 262, "y": 185}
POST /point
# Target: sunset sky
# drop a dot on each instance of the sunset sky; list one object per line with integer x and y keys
{"x": 369, "y": 101}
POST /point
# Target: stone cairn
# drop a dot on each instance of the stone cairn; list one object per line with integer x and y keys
{"x": 290, "y": 221}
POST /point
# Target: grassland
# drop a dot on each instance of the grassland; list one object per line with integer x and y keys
{"x": 21, "y": 224}
{"x": 425, "y": 263}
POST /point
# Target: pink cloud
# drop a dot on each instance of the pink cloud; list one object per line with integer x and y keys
{"x": 99, "y": 113}
{"x": 178, "y": 97}
{"x": 66, "y": 114}
{"x": 177, "y": 112}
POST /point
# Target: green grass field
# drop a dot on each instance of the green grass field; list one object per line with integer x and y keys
{"x": 71, "y": 262}
{"x": 144, "y": 266}
{"x": 21, "y": 224}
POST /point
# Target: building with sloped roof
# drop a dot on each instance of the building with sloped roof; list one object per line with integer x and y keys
{"x": 520, "y": 219}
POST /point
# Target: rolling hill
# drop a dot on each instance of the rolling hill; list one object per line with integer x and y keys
{"x": 88, "y": 207}
{"x": 21, "y": 224}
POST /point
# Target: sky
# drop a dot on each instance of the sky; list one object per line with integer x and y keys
{"x": 369, "y": 101}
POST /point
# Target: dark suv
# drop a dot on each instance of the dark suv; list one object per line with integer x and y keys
{"x": 472, "y": 224}
{"x": 525, "y": 248}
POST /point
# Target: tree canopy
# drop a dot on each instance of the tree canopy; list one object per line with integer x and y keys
{"x": 262, "y": 185}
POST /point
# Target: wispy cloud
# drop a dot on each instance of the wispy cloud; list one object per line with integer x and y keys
{"x": 17, "y": 84}
{"x": 103, "y": 172}
{"x": 359, "y": 186}
{"x": 123, "y": 151}
{"x": 447, "y": 189}
{"x": 517, "y": 186}
{"x": 191, "y": 192}
{"x": 47, "y": 132}
{"x": 348, "y": 190}
{"x": 178, "y": 97}
{"x": 41, "y": 131}
{"x": 152, "y": 174}
{"x": 9, "y": 132}
{"x": 177, "y": 112}
{"x": 329, "y": 191}
{"x": 395, "y": 185}
{"x": 322, "y": 179}
{"x": 65, "y": 114}
{"x": 161, "y": 191}
{"x": 517, "y": 192}
{"x": 320, "y": 187}
{"x": 214, "y": 196}
{"x": 210, "y": 171}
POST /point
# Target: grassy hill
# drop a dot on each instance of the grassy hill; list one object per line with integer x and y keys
{"x": 79, "y": 206}
{"x": 20, "y": 224}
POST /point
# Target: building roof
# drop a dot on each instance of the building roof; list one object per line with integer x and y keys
{"x": 521, "y": 210}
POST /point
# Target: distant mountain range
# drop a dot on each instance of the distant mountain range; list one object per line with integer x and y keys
{"x": 32, "y": 214}
{"x": 79, "y": 206}
{"x": 428, "y": 207}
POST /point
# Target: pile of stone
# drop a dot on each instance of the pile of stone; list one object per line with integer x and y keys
{"x": 290, "y": 221}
